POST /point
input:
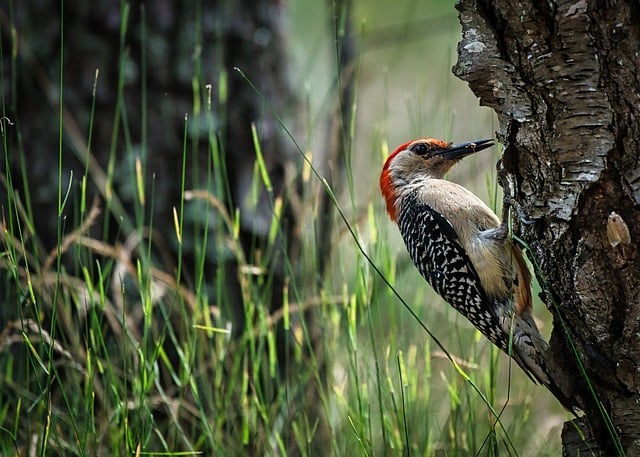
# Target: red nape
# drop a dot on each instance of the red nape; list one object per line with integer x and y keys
{"x": 386, "y": 184}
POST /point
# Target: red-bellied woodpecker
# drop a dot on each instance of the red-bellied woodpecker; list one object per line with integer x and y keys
{"x": 463, "y": 250}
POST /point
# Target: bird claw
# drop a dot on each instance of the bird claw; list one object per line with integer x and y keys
{"x": 509, "y": 203}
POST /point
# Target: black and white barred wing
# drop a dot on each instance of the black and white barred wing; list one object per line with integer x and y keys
{"x": 434, "y": 247}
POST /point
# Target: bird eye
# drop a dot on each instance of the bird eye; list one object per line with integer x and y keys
{"x": 420, "y": 149}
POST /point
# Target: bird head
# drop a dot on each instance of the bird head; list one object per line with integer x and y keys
{"x": 420, "y": 159}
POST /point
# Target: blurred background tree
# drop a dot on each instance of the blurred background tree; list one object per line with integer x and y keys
{"x": 180, "y": 69}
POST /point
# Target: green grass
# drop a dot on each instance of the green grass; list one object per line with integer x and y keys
{"x": 115, "y": 351}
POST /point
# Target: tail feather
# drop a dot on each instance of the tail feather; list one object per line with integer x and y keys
{"x": 528, "y": 350}
{"x": 539, "y": 373}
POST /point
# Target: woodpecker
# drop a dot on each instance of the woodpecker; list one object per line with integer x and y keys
{"x": 462, "y": 249}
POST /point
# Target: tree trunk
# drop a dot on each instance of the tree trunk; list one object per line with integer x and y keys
{"x": 562, "y": 77}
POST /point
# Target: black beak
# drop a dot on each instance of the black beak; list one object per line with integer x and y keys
{"x": 458, "y": 151}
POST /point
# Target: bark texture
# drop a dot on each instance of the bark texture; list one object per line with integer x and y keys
{"x": 563, "y": 78}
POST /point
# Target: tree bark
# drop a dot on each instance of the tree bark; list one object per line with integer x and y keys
{"x": 562, "y": 77}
